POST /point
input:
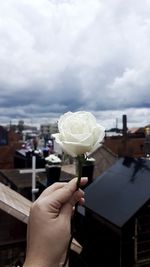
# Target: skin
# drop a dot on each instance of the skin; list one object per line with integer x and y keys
{"x": 48, "y": 232}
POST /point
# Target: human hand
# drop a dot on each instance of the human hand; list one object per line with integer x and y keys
{"x": 50, "y": 224}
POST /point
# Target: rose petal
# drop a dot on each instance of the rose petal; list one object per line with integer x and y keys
{"x": 79, "y": 133}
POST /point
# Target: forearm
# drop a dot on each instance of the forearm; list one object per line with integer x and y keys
{"x": 40, "y": 261}
{"x": 40, "y": 264}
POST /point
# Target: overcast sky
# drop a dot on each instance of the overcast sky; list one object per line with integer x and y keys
{"x": 58, "y": 56}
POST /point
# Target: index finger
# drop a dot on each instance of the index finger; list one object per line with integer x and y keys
{"x": 64, "y": 194}
{"x": 49, "y": 190}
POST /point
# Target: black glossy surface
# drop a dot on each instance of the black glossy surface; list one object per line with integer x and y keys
{"x": 121, "y": 191}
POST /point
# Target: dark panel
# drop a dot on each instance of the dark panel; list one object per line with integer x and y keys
{"x": 121, "y": 191}
{"x": 3, "y": 136}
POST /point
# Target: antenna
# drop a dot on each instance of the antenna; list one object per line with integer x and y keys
{"x": 116, "y": 123}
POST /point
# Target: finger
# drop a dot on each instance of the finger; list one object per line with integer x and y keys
{"x": 59, "y": 185}
{"x": 81, "y": 201}
{"x": 83, "y": 181}
{"x": 64, "y": 194}
{"x": 49, "y": 190}
{"x": 78, "y": 197}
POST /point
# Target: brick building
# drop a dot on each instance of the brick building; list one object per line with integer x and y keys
{"x": 9, "y": 142}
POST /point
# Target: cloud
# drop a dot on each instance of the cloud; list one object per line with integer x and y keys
{"x": 70, "y": 55}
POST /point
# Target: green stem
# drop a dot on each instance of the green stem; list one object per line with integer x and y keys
{"x": 80, "y": 160}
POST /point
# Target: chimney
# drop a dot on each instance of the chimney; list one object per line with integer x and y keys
{"x": 124, "y": 137}
{"x": 124, "y": 121}
{"x": 147, "y": 141}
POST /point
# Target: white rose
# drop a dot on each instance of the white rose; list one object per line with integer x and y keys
{"x": 79, "y": 133}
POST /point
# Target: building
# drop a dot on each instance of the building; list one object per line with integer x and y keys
{"x": 132, "y": 142}
{"x": 147, "y": 140}
{"x": 104, "y": 158}
{"x": 114, "y": 230}
{"x": 9, "y": 142}
{"x": 129, "y": 146}
{"x": 48, "y": 129}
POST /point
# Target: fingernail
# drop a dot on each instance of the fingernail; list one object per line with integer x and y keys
{"x": 85, "y": 178}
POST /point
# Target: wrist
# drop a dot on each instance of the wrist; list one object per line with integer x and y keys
{"x": 39, "y": 265}
{"x": 34, "y": 263}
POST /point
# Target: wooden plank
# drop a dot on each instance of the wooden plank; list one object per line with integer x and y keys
{"x": 14, "y": 204}
{"x": 18, "y": 206}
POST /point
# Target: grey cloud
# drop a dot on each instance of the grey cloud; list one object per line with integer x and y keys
{"x": 67, "y": 55}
